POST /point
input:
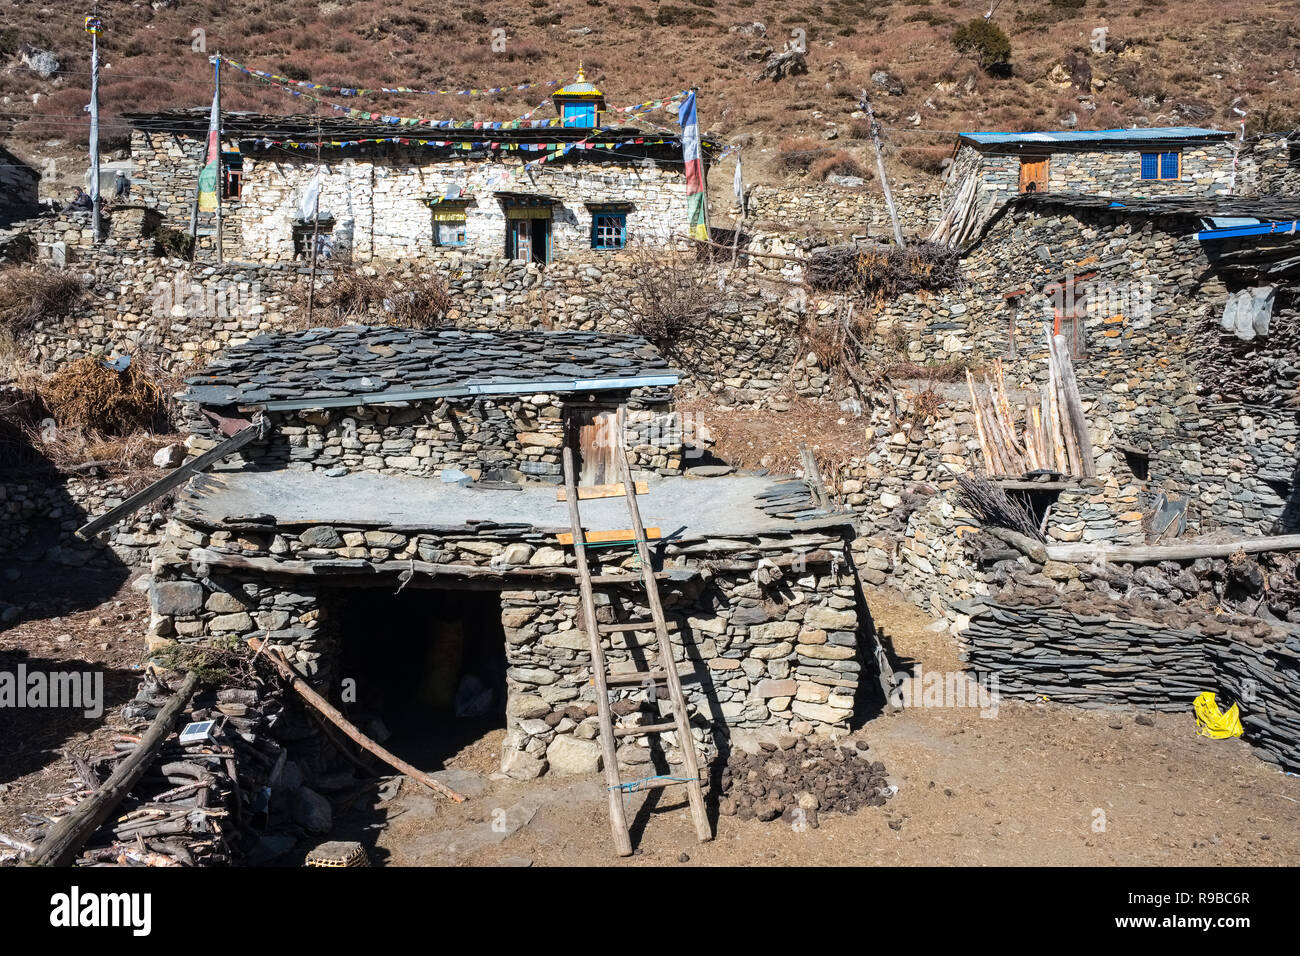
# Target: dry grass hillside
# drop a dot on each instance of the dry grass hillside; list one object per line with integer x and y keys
{"x": 1181, "y": 61}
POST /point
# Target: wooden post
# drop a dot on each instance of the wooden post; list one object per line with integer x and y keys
{"x": 315, "y": 231}
{"x": 880, "y": 168}
{"x": 1074, "y": 408}
{"x": 220, "y": 183}
{"x": 66, "y": 838}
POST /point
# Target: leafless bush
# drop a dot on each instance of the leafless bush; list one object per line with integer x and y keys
{"x": 671, "y": 298}
{"x": 993, "y": 507}
{"x": 355, "y": 294}
{"x": 34, "y": 293}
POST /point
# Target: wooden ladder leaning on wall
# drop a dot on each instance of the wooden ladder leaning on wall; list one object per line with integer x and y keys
{"x": 665, "y": 671}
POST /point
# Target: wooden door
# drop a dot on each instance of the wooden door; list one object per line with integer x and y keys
{"x": 597, "y": 443}
{"x": 1033, "y": 174}
{"x": 521, "y": 239}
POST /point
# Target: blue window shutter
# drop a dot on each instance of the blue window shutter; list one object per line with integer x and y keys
{"x": 1150, "y": 165}
{"x": 1169, "y": 165}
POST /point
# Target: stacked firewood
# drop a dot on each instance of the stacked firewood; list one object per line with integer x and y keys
{"x": 1054, "y": 435}
{"x": 198, "y": 802}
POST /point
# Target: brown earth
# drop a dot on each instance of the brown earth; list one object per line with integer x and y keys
{"x": 1025, "y": 787}
{"x": 1185, "y": 63}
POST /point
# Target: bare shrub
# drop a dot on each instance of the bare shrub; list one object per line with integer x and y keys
{"x": 797, "y": 153}
{"x": 35, "y": 293}
{"x": 356, "y": 294}
{"x": 672, "y": 299}
{"x": 839, "y": 163}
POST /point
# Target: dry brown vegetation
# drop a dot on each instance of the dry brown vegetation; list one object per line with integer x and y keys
{"x": 34, "y": 293}
{"x": 671, "y": 299}
{"x": 365, "y": 295}
{"x": 86, "y": 394}
{"x": 1180, "y": 57}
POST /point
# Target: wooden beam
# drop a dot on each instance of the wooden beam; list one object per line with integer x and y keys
{"x": 170, "y": 481}
{"x": 622, "y": 536}
{"x": 66, "y": 838}
{"x": 331, "y": 714}
{"x": 1151, "y": 554}
{"x": 615, "y": 490}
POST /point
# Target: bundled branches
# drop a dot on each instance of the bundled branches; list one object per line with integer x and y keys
{"x": 993, "y": 508}
{"x": 361, "y": 295}
{"x": 30, "y": 294}
{"x": 886, "y": 270}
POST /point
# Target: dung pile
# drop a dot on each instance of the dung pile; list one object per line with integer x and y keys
{"x": 798, "y": 775}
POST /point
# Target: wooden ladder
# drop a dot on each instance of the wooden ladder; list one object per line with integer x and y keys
{"x": 666, "y": 670}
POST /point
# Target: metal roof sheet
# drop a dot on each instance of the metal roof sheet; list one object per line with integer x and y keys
{"x": 1155, "y": 133}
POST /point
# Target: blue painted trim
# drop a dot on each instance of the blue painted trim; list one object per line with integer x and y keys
{"x": 1290, "y": 227}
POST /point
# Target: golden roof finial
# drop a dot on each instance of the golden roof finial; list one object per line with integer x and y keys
{"x": 582, "y": 76}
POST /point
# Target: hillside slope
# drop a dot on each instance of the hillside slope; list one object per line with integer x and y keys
{"x": 1181, "y": 61}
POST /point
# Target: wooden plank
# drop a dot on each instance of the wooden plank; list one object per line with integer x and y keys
{"x": 608, "y": 748}
{"x": 167, "y": 483}
{"x": 606, "y": 537}
{"x": 1151, "y": 554}
{"x": 586, "y": 492}
{"x": 1074, "y": 408}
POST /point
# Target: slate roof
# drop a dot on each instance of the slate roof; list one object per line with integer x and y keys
{"x": 359, "y": 365}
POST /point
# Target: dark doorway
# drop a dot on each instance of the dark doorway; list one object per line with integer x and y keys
{"x": 430, "y": 664}
{"x": 529, "y": 239}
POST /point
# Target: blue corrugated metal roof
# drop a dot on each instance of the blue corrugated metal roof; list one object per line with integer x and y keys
{"x": 1099, "y": 135}
{"x": 1258, "y": 229}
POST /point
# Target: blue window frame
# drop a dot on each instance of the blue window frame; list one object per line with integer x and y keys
{"x": 579, "y": 114}
{"x": 608, "y": 230}
{"x": 1161, "y": 165}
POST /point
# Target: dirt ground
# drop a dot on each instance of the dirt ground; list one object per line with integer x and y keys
{"x": 1039, "y": 784}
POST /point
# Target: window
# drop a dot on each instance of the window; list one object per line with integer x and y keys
{"x": 579, "y": 114}
{"x": 232, "y": 165}
{"x": 450, "y": 232}
{"x": 1161, "y": 165}
{"x": 302, "y": 236}
{"x": 608, "y": 230}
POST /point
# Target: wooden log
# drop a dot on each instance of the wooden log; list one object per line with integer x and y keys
{"x": 303, "y": 690}
{"x": 66, "y": 838}
{"x": 979, "y": 425}
{"x": 1034, "y": 550}
{"x": 1074, "y": 409}
{"x": 1152, "y": 554}
{"x": 1068, "y": 453}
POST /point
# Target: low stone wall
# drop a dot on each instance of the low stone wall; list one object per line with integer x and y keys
{"x": 1061, "y": 633}
{"x": 809, "y": 208}
{"x": 59, "y": 507}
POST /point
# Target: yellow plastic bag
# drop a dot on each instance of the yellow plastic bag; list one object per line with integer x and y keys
{"x": 1212, "y": 722}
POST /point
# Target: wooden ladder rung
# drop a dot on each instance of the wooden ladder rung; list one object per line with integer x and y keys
{"x": 645, "y": 729}
{"x": 661, "y": 784}
{"x": 636, "y": 677}
{"x": 632, "y": 626}
{"x": 621, "y": 578}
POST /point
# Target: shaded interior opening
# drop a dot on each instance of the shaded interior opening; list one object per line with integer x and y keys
{"x": 424, "y": 668}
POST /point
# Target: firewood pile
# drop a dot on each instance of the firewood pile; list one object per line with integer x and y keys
{"x": 887, "y": 269}
{"x": 196, "y": 802}
{"x": 796, "y": 778}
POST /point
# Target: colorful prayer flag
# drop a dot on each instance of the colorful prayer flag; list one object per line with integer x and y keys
{"x": 697, "y": 219}
{"x": 211, "y": 162}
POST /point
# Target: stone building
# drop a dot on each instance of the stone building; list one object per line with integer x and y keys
{"x": 398, "y": 524}
{"x": 447, "y": 190}
{"x": 1162, "y": 161}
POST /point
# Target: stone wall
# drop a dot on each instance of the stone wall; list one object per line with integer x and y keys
{"x": 786, "y": 654}
{"x": 19, "y": 184}
{"x": 1270, "y": 166}
{"x": 504, "y": 439}
{"x": 183, "y": 314}
{"x": 813, "y": 208}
